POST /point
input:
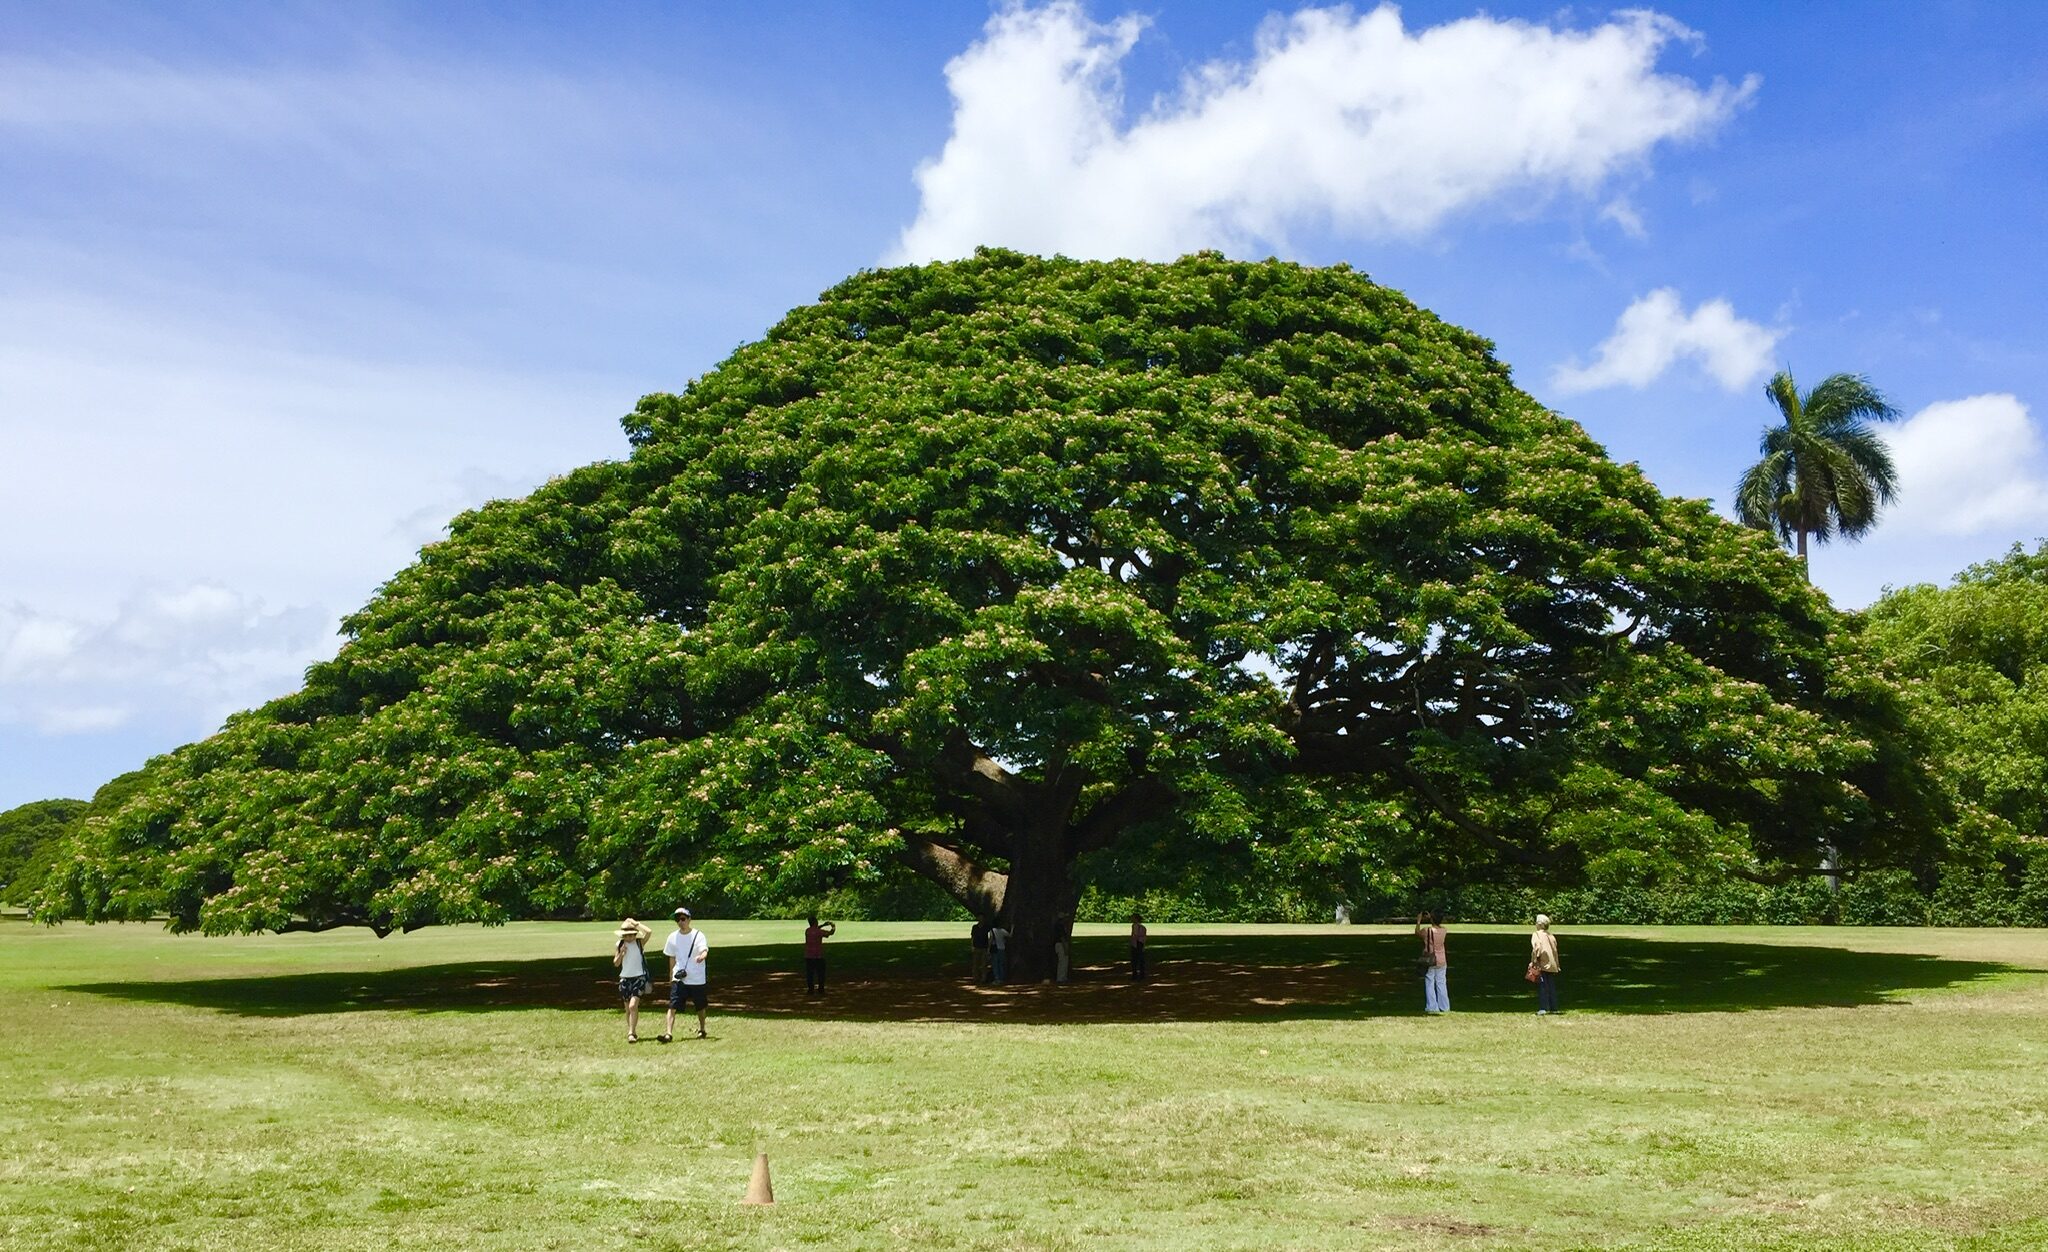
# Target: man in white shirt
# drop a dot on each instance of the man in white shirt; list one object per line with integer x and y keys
{"x": 686, "y": 949}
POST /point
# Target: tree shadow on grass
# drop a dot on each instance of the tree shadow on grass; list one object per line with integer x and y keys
{"x": 1194, "y": 978}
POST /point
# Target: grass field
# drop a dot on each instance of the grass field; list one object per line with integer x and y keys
{"x": 1274, "y": 1087}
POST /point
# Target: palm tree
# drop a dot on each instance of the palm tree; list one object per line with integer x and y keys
{"x": 1824, "y": 472}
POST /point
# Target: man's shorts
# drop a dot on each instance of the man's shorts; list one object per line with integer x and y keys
{"x": 681, "y": 993}
{"x": 630, "y": 987}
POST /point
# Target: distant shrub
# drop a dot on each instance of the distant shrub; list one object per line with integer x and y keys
{"x": 1167, "y": 906}
{"x": 2030, "y": 902}
{"x": 1882, "y": 898}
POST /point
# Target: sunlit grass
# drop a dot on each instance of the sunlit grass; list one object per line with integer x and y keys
{"x": 1276, "y": 1087}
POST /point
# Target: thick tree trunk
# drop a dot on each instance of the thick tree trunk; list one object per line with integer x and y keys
{"x": 1036, "y": 897}
{"x": 1038, "y": 894}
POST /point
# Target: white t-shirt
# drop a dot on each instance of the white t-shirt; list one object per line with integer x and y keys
{"x": 687, "y": 953}
{"x": 998, "y": 938}
{"x": 632, "y": 964}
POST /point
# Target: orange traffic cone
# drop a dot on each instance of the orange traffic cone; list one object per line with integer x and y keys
{"x": 760, "y": 1190}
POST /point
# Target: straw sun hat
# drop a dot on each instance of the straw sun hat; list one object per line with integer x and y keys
{"x": 630, "y": 929}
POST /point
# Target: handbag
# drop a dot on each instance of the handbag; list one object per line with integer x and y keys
{"x": 1532, "y": 974}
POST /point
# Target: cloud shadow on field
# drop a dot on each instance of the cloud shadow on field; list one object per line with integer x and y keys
{"x": 1194, "y": 978}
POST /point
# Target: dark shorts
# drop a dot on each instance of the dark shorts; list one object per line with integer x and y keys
{"x": 682, "y": 993}
{"x": 630, "y": 987}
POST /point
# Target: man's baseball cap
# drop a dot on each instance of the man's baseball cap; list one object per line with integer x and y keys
{"x": 682, "y": 912}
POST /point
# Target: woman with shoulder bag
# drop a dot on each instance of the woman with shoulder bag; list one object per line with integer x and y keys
{"x": 1436, "y": 994}
{"x": 1543, "y": 966}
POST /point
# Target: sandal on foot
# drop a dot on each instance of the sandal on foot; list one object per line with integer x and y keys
{"x": 661, "y": 1038}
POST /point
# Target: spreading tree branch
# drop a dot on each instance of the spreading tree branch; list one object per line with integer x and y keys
{"x": 979, "y": 889}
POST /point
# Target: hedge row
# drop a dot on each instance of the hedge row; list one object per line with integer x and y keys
{"x": 2000, "y": 894}
{"x": 1963, "y": 896}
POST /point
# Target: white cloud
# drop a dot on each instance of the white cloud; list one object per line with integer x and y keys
{"x": 82, "y": 720}
{"x": 1623, "y": 213}
{"x": 1967, "y": 466}
{"x": 1656, "y": 332}
{"x": 1336, "y": 119}
{"x": 179, "y": 477}
{"x": 146, "y": 446}
{"x": 184, "y": 656}
{"x": 29, "y": 643}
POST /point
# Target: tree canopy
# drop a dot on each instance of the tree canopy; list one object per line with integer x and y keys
{"x": 997, "y": 567}
{"x": 1972, "y": 659}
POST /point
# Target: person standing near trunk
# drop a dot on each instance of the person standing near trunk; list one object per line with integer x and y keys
{"x": 1139, "y": 937}
{"x": 814, "y": 954}
{"x": 1436, "y": 992}
{"x": 1543, "y": 963}
{"x": 998, "y": 952}
{"x": 977, "y": 938}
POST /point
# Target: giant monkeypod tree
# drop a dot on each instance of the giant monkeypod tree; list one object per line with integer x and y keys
{"x": 986, "y": 567}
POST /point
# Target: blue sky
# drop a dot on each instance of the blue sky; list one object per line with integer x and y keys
{"x": 282, "y": 289}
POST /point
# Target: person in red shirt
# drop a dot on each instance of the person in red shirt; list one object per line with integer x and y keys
{"x": 814, "y": 954}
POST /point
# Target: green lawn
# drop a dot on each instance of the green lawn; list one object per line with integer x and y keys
{"x": 1274, "y": 1087}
